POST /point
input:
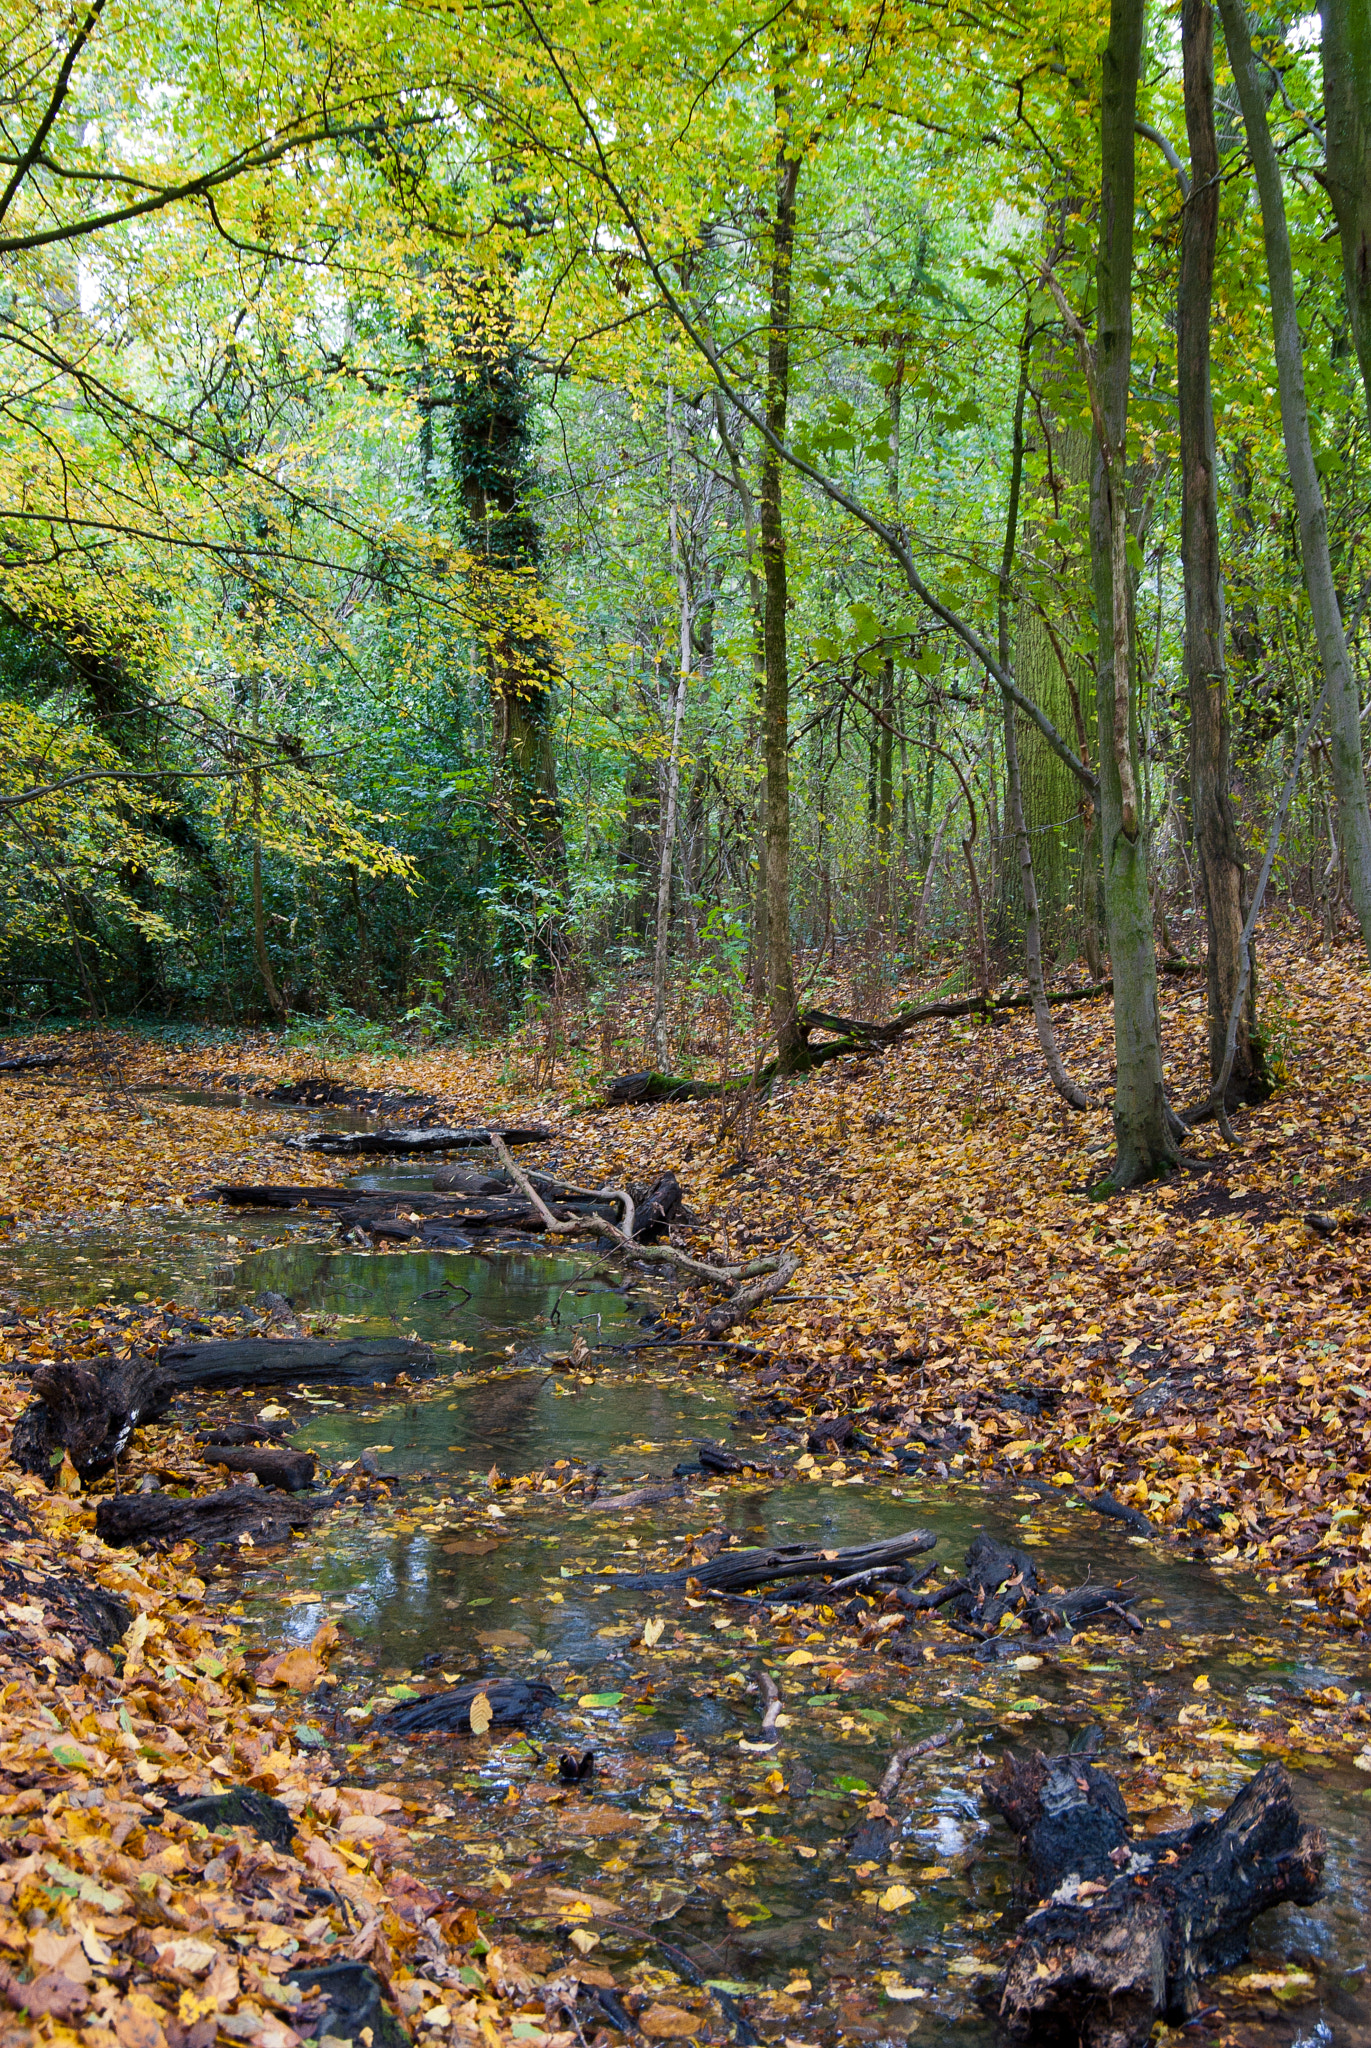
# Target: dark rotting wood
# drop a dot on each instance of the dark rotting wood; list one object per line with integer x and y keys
{"x": 343, "y": 2001}
{"x": 88, "y": 1411}
{"x": 1128, "y": 1928}
{"x": 208, "y": 1518}
{"x": 1104, "y": 1503}
{"x": 397, "y": 1138}
{"x": 74, "y": 1611}
{"x": 654, "y": 1205}
{"x": 233, "y": 1362}
{"x": 513, "y": 1702}
{"x": 469, "y": 1180}
{"x": 288, "y": 1471}
{"x": 733, "y": 1571}
{"x": 239, "y": 1807}
{"x": 231, "y": 1433}
{"x": 34, "y": 1062}
{"x": 308, "y": 1092}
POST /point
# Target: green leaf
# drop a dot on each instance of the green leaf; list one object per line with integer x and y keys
{"x": 599, "y": 1699}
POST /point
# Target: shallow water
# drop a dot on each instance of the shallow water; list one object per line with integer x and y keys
{"x": 701, "y": 1837}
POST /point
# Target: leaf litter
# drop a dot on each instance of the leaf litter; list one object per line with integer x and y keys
{"x": 1198, "y": 1350}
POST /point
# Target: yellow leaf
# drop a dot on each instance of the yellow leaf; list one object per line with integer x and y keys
{"x": 584, "y": 1940}
{"x": 652, "y": 1633}
{"x": 895, "y": 1896}
{"x": 481, "y": 1716}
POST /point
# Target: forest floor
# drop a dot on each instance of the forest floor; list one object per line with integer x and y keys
{"x": 1197, "y": 1348}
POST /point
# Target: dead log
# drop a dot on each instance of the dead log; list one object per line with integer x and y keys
{"x": 733, "y": 1571}
{"x": 209, "y": 1518}
{"x": 73, "y": 1612}
{"x": 410, "y": 1138}
{"x": 749, "y": 1297}
{"x": 1127, "y": 1929}
{"x": 239, "y": 1807}
{"x": 89, "y": 1411}
{"x": 512, "y": 1702}
{"x": 33, "y": 1062}
{"x": 288, "y": 1471}
{"x": 233, "y": 1362}
{"x": 641, "y": 1497}
{"x": 469, "y": 1180}
{"x": 654, "y": 1205}
{"x": 238, "y": 1433}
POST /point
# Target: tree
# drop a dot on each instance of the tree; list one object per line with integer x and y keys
{"x": 1215, "y": 825}
{"x": 1347, "y": 167}
{"x": 1344, "y": 703}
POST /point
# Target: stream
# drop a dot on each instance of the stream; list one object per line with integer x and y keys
{"x": 690, "y": 1831}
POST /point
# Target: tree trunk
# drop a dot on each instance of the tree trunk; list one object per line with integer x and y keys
{"x": 780, "y": 966}
{"x": 1344, "y": 710}
{"x": 1033, "y": 956}
{"x": 1347, "y": 168}
{"x": 1143, "y": 1125}
{"x": 1214, "y": 824}
{"x": 259, "y": 935}
{"x": 675, "y": 715}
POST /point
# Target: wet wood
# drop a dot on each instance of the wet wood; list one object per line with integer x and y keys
{"x": 640, "y": 1497}
{"x": 234, "y": 1362}
{"x": 88, "y": 1411}
{"x": 1128, "y": 1928}
{"x": 33, "y": 1062}
{"x": 513, "y": 1703}
{"x": 734, "y": 1571}
{"x": 398, "y": 1138}
{"x": 238, "y": 1511}
{"x": 288, "y": 1471}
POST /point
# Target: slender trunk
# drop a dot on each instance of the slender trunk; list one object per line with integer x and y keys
{"x": 781, "y": 973}
{"x": 1347, "y": 170}
{"x": 1215, "y": 827}
{"x": 670, "y": 795}
{"x": 259, "y": 935}
{"x": 1344, "y": 710}
{"x": 1033, "y": 952}
{"x": 1143, "y": 1123}
{"x": 757, "y": 593}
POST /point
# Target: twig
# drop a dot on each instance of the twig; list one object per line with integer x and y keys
{"x": 899, "y": 1763}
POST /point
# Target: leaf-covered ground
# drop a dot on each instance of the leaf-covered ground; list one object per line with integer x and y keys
{"x": 1198, "y": 1348}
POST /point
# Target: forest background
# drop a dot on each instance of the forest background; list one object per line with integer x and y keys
{"x": 513, "y": 511}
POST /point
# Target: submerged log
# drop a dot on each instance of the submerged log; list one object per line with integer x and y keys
{"x": 288, "y": 1471}
{"x": 733, "y": 1571}
{"x": 87, "y": 1411}
{"x": 211, "y": 1518}
{"x": 410, "y": 1138}
{"x": 512, "y": 1703}
{"x": 1127, "y": 1929}
{"x": 343, "y": 2001}
{"x": 233, "y": 1362}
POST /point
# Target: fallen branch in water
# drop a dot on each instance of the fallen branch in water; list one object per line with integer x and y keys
{"x": 621, "y": 1234}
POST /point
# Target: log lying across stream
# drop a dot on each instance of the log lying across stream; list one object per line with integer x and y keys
{"x": 1127, "y": 1929}
{"x": 734, "y": 1571}
{"x": 205, "y": 1518}
{"x": 397, "y": 1138}
{"x": 470, "y": 1202}
{"x": 231, "y": 1363}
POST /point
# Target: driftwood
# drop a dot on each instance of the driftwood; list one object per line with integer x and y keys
{"x": 33, "y": 1062}
{"x": 210, "y": 1518}
{"x": 733, "y": 1571}
{"x": 641, "y": 1497}
{"x": 749, "y": 1297}
{"x": 288, "y": 1471}
{"x": 409, "y": 1138}
{"x": 1127, "y": 1929}
{"x": 512, "y": 1702}
{"x": 233, "y": 1362}
{"x": 87, "y": 1411}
